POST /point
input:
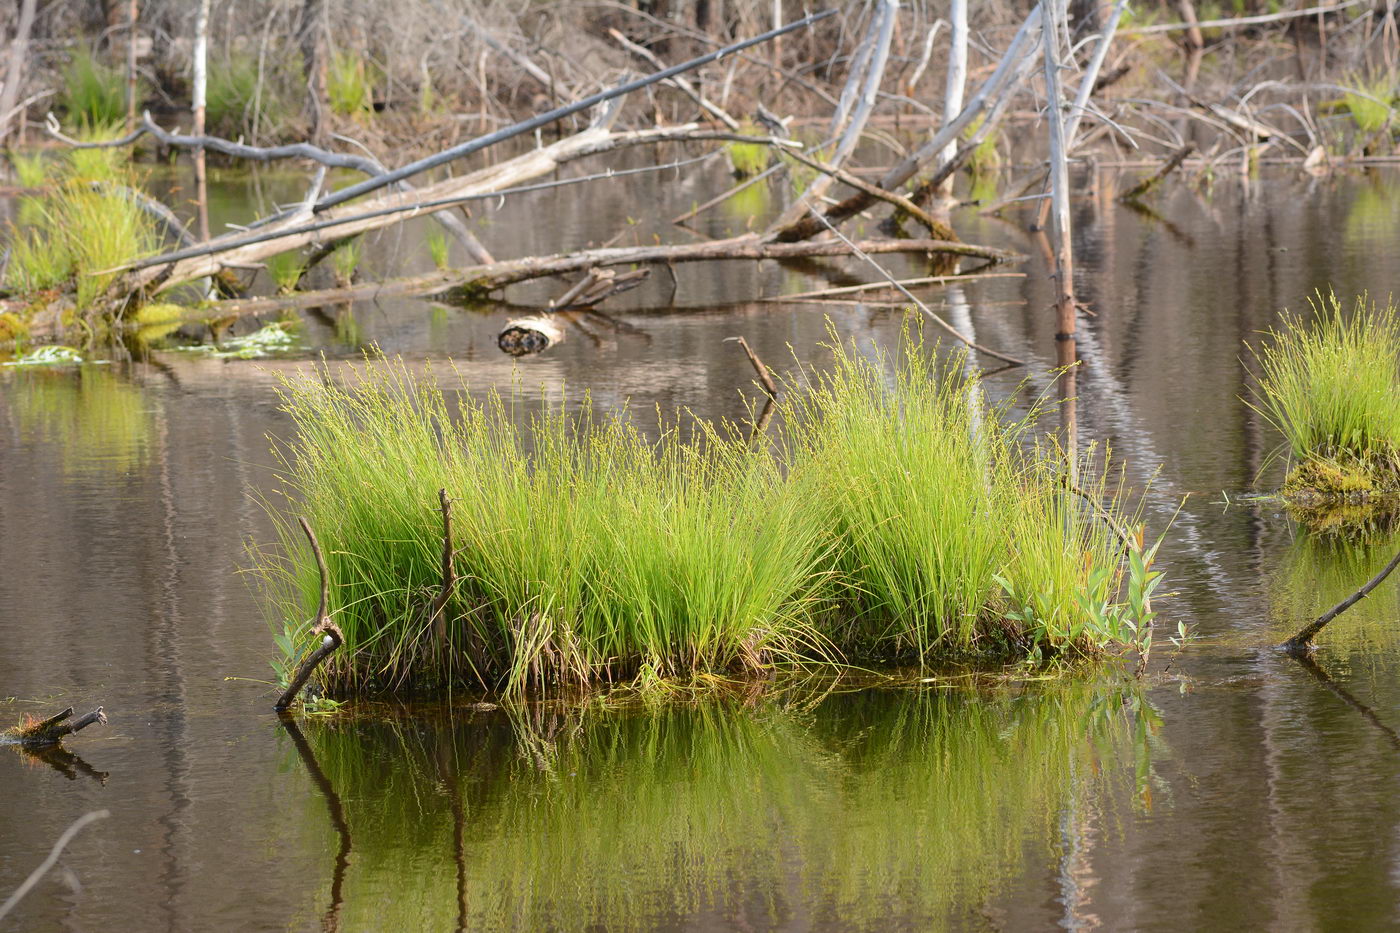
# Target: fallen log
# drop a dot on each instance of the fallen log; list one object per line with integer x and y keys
{"x": 297, "y": 230}
{"x": 478, "y": 281}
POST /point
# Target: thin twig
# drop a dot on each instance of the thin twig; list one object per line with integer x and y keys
{"x": 910, "y": 295}
{"x": 874, "y": 286}
{"x": 764, "y": 376}
{"x": 437, "y": 614}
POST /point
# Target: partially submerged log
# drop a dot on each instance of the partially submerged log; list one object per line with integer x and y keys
{"x": 36, "y": 733}
{"x": 478, "y": 281}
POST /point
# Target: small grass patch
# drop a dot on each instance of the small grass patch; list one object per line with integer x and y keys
{"x": 437, "y": 248}
{"x": 748, "y": 159}
{"x": 74, "y": 234}
{"x": 30, "y": 169}
{"x": 346, "y": 260}
{"x": 286, "y": 270}
{"x": 1330, "y": 383}
{"x": 93, "y": 93}
{"x": 1369, "y": 103}
{"x": 240, "y": 102}
{"x": 350, "y": 86}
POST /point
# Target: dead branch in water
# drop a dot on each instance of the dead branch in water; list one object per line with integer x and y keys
{"x": 764, "y": 376}
{"x": 332, "y": 637}
{"x": 296, "y": 230}
{"x": 51, "y": 730}
{"x": 479, "y": 280}
{"x": 1153, "y": 180}
{"x": 1302, "y": 643}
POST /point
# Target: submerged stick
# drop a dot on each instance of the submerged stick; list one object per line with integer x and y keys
{"x": 1302, "y": 643}
{"x": 37, "y": 874}
{"x": 333, "y": 637}
{"x": 764, "y": 376}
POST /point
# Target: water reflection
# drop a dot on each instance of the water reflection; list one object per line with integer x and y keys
{"x": 98, "y": 421}
{"x": 1320, "y": 570}
{"x": 852, "y": 812}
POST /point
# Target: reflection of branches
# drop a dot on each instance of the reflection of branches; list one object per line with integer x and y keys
{"x": 63, "y": 761}
{"x": 48, "y": 863}
{"x": 1312, "y": 667}
{"x": 337, "y": 813}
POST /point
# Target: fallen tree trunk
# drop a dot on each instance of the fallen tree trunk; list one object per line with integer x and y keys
{"x": 479, "y": 280}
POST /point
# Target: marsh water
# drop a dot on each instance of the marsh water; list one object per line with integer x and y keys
{"x": 1233, "y": 787}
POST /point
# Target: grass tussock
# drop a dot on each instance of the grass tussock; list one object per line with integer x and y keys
{"x": 86, "y": 221}
{"x": 245, "y": 99}
{"x": 1330, "y": 383}
{"x": 1369, "y": 103}
{"x": 76, "y": 233}
{"x": 892, "y": 518}
{"x": 748, "y": 159}
{"x": 350, "y": 86}
{"x": 93, "y": 93}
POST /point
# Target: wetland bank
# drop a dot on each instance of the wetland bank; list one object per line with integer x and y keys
{"x": 1229, "y": 786}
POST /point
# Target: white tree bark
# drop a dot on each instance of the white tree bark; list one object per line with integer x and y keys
{"x": 957, "y": 81}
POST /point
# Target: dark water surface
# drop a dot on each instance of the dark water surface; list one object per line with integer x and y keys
{"x": 1240, "y": 789}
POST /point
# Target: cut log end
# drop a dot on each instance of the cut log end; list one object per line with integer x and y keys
{"x": 524, "y": 336}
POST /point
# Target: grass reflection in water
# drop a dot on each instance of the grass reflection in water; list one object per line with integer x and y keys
{"x": 855, "y": 809}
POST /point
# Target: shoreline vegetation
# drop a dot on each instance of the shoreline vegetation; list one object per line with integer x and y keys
{"x": 333, "y": 84}
{"x": 573, "y": 551}
{"x": 1329, "y": 382}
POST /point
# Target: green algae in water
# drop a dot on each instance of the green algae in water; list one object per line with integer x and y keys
{"x": 52, "y": 355}
{"x": 271, "y": 340}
